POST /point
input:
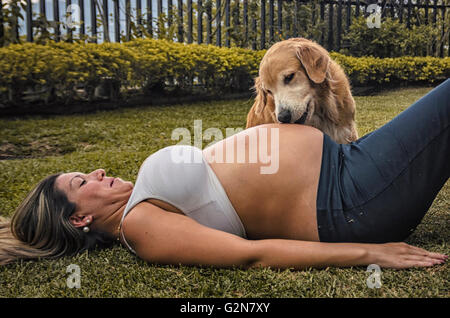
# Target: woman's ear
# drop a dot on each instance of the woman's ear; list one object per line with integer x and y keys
{"x": 261, "y": 97}
{"x": 315, "y": 60}
{"x": 80, "y": 220}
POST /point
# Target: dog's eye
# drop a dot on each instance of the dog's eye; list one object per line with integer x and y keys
{"x": 288, "y": 78}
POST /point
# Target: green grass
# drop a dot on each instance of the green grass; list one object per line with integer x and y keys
{"x": 119, "y": 141}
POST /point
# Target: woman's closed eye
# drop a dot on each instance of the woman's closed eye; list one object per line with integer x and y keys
{"x": 83, "y": 180}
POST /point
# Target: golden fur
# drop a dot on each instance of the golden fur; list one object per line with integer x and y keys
{"x": 318, "y": 94}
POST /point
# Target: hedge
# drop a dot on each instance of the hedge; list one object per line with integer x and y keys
{"x": 407, "y": 69}
{"x": 64, "y": 72}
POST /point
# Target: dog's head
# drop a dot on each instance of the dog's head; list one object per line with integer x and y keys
{"x": 289, "y": 73}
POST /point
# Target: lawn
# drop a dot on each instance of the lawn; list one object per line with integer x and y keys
{"x": 119, "y": 141}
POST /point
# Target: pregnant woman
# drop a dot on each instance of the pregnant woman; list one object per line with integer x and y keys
{"x": 325, "y": 205}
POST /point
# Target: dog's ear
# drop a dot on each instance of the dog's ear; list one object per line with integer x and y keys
{"x": 315, "y": 60}
{"x": 261, "y": 97}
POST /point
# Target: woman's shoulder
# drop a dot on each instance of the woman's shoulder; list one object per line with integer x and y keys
{"x": 130, "y": 224}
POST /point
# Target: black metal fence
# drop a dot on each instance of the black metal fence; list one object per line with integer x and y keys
{"x": 254, "y": 24}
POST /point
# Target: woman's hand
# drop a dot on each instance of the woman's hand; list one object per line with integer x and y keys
{"x": 402, "y": 255}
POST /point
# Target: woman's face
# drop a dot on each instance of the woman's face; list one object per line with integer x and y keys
{"x": 95, "y": 195}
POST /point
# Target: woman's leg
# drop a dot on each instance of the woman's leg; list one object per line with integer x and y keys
{"x": 389, "y": 179}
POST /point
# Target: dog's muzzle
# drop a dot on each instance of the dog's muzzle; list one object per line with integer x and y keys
{"x": 302, "y": 119}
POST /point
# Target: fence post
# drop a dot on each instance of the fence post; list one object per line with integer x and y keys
{"x": 254, "y": 33}
{"x": 322, "y": 19}
{"x": 448, "y": 47}
{"x": 42, "y": 8}
{"x": 139, "y": 16}
{"x": 434, "y": 25}
{"x": 263, "y": 24}
{"x": 218, "y": 23}
{"x": 29, "y": 12}
{"x": 313, "y": 16}
{"x": 94, "y": 21}
{"x": 441, "y": 51}
{"x": 330, "y": 26}
{"x": 348, "y": 16}
{"x": 43, "y": 16}
{"x": 296, "y": 8}
{"x": 69, "y": 30}
{"x": 189, "y": 8}
{"x": 280, "y": 18}
{"x": 169, "y": 13}
{"x": 208, "y": 23}
{"x": 339, "y": 25}
{"x": 128, "y": 20}
{"x": 271, "y": 18}
{"x": 400, "y": 12}
{"x": 56, "y": 19}
{"x": 15, "y": 28}
{"x": 426, "y": 12}
{"x": 2, "y": 28}
{"x": 199, "y": 21}
{"x": 160, "y": 20}
{"x": 357, "y": 8}
{"x": 227, "y": 23}
{"x": 180, "y": 22}
{"x": 150, "y": 18}
{"x": 245, "y": 18}
{"x": 116, "y": 21}
{"x": 82, "y": 17}
{"x": 408, "y": 19}
{"x": 417, "y": 10}
{"x": 106, "y": 24}
{"x": 435, "y": 12}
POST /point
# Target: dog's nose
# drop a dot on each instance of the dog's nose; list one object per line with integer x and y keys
{"x": 284, "y": 116}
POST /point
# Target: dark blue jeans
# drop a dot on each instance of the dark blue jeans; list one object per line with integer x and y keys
{"x": 378, "y": 188}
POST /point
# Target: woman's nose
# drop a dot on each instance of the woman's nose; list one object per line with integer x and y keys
{"x": 100, "y": 173}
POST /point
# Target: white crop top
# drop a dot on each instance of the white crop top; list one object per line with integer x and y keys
{"x": 181, "y": 176}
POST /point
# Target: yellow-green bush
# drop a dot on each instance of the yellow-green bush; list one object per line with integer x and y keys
{"x": 406, "y": 69}
{"x": 62, "y": 67}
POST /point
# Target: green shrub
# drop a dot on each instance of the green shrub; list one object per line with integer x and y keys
{"x": 372, "y": 70}
{"x": 60, "y": 71}
{"x": 392, "y": 39}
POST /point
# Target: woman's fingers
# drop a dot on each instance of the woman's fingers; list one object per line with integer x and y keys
{"x": 402, "y": 255}
{"x": 420, "y": 258}
{"x": 409, "y": 264}
{"x": 420, "y": 251}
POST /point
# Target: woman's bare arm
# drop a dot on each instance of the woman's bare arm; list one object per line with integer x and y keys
{"x": 302, "y": 254}
{"x": 159, "y": 236}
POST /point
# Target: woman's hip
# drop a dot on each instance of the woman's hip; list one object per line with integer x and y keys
{"x": 379, "y": 187}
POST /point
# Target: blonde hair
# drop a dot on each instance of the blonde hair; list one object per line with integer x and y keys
{"x": 40, "y": 227}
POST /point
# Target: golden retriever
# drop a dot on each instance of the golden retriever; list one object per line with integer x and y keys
{"x": 299, "y": 83}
